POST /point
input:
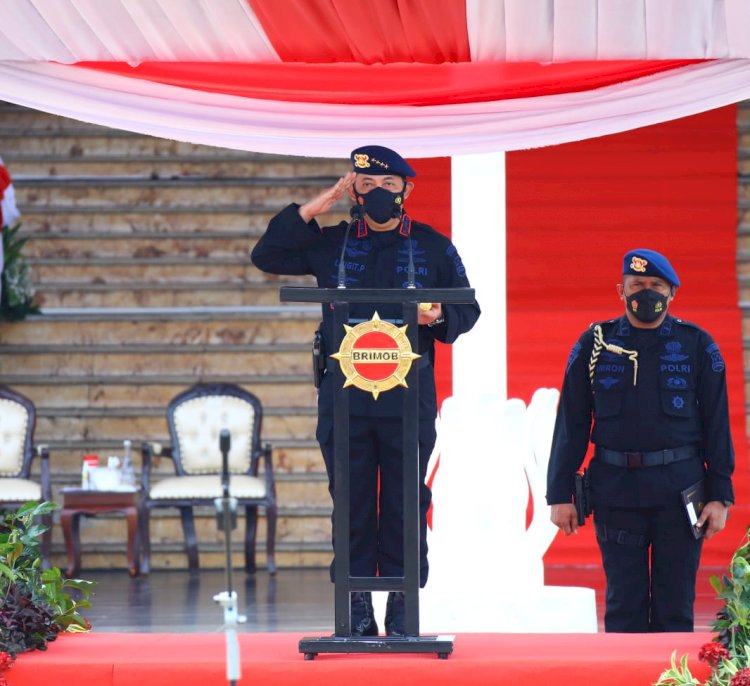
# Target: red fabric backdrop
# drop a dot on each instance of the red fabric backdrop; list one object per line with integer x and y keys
{"x": 572, "y": 212}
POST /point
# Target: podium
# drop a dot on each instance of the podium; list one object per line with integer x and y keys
{"x": 342, "y": 640}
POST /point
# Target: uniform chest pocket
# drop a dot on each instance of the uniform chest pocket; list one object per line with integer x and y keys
{"x": 677, "y": 395}
{"x": 607, "y": 404}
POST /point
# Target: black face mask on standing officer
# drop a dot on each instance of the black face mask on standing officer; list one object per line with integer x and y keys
{"x": 647, "y": 305}
{"x": 381, "y": 205}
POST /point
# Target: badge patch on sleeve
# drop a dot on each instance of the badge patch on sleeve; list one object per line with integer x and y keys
{"x": 456, "y": 259}
{"x": 717, "y": 361}
{"x": 573, "y": 355}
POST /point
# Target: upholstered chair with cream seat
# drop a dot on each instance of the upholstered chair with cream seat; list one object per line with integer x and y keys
{"x": 195, "y": 418}
{"x": 17, "y": 450}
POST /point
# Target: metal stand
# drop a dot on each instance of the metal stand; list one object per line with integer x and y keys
{"x": 226, "y": 519}
{"x": 342, "y": 641}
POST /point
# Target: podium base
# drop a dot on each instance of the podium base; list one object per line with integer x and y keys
{"x": 442, "y": 645}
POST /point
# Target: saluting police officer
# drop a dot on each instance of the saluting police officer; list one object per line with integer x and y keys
{"x": 649, "y": 391}
{"x": 381, "y": 249}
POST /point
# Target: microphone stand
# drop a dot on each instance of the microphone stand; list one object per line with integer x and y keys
{"x": 226, "y": 520}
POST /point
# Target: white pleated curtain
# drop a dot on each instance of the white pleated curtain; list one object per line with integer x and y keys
{"x": 40, "y": 38}
{"x": 133, "y": 31}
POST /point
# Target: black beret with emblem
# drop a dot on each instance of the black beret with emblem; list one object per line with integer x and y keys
{"x": 644, "y": 262}
{"x": 379, "y": 161}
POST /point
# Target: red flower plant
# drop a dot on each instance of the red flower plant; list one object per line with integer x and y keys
{"x": 742, "y": 678}
{"x": 6, "y": 661}
{"x": 713, "y": 653}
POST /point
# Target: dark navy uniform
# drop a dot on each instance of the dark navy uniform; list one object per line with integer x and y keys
{"x": 374, "y": 260}
{"x": 655, "y": 434}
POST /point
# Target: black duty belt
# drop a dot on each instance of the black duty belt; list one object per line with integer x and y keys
{"x": 655, "y": 458}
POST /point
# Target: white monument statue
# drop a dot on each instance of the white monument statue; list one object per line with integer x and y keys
{"x": 486, "y": 569}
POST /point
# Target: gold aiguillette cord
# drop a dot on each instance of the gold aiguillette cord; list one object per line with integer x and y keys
{"x": 600, "y": 343}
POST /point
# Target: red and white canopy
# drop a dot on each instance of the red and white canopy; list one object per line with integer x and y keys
{"x": 429, "y": 77}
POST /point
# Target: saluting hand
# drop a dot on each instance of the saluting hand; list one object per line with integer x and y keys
{"x": 564, "y": 516}
{"x": 713, "y": 517}
{"x": 324, "y": 200}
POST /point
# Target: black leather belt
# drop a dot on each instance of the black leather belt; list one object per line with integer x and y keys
{"x": 637, "y": 460}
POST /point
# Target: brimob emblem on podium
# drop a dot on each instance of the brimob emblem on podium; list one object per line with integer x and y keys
{"x": 375, "y": 356}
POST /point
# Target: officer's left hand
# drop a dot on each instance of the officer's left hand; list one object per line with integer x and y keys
{"x": 429, "y": 316}
{"x": 713, "y": 518}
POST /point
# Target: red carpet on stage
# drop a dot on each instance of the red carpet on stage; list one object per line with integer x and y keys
{"x": 478, "y": 660}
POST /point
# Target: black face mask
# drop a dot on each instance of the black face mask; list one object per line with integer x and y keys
{"x": 647, "y": 305}
{"x": 382, "y": 205}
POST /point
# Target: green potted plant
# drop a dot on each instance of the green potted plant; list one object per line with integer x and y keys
{"x": 36, "y": 604}
{"x": 17, "y": 292}
{"x": 728, "y": 655}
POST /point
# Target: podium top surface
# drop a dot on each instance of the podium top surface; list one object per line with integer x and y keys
{"x": 375, "y": 295}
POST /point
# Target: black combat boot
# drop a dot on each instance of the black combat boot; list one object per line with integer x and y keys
{"x": 394, "y": 614}
{"x": 363, "y": 616}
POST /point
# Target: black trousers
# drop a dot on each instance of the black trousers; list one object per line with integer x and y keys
{"x": 376, "y": 492}
{"x": 651, "y": 561}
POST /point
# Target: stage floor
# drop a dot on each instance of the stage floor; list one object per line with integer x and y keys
{"x": 295, "y": 600}
{"x": 166, "y": 628}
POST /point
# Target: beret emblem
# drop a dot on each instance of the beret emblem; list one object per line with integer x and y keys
{"x": 362, "y": 161}
{"x": 638, "y": 264}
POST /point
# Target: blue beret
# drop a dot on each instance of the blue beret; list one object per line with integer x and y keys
{"x": 377, "y": 160}
{"x": 644, "y": 262}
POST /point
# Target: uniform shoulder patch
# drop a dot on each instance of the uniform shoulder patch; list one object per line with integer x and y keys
{"x": 717, "y": 361}
{"x": 682, "y": 322}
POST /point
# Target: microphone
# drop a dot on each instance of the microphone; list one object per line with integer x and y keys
{"x": 357, "y": 213}
{"x": 410, "y": 283}
{"x": 406, "y": 231}
{"x": 225, "y": 441}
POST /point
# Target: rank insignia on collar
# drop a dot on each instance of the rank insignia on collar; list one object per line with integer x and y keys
{"x": 375, "y": 356}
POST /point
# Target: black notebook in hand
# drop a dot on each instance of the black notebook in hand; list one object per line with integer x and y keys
{"x": 694, "y": 498}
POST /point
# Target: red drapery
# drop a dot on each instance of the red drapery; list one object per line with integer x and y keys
{"x": 390, "y": 84}
{"x": 429, "y": 31}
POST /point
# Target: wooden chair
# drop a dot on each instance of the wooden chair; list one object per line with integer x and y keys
{"x": 17, "y": 450}
{"x": 195, "y": 418}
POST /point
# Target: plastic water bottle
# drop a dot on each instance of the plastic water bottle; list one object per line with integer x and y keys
{"x": 127, "y": 477}
{"x": 89, "y": 462}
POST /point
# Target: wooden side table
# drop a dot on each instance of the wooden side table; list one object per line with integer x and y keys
{"x": 77, "y": 502}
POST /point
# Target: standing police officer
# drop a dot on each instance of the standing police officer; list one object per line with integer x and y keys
{"x": 655, "y": 388}
{"x": 383, "y": 248}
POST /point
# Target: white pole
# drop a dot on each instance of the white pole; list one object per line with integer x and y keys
{"x": 478, "y": 218}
